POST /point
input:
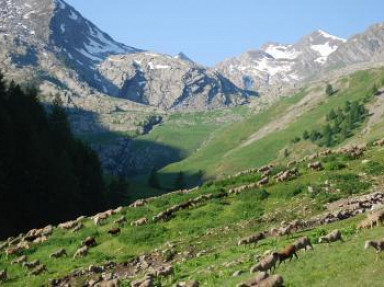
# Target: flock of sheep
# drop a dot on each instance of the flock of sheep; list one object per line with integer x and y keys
{"x": 15, "y": 246}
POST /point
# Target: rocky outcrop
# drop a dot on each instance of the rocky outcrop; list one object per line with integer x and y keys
{"x": 170, "y": 83}
{"x": 275, "y": 65}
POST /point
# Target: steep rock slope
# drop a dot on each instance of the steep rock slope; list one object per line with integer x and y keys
{"x": 49, "y": 41}
{"x": 169, "y": 83}
{"x": 278, "y": 64}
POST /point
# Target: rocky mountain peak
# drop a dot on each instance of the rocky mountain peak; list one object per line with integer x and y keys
{"x": 182, "y": 56}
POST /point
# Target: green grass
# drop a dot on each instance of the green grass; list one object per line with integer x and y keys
{"x": 222, "y": 154}
{"x": 229, "y": 219}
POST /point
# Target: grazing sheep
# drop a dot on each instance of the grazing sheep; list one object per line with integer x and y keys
{"x": 139, "y": 222}
{"x": 266, "y": 264}
{"x": 378, "y": 245}
{"x": 108, "y": 283}
{"x": 40, "y": 239}
{"x": 114, "y": 231}
{"x": 251, "y": 239}
{"x": 139, "y": 203}
{"x": 95, "y": 269}
{"x": 38, "y": 270}
{"x": 68, "y": 225}
{"x": 19, "y": 260}
{"x": 285, "y": 230}
{"x": 317, "y": 166}
{"x": 263, "y": 181}
{"x": 3, "y": 275}
{"x": 164, "y": 271}
{"x": 287, "y": 253}
{"x": 98, "y": 220}
{"x": 118, "y": 210}
{"x": 192, "y": 283}
{"x": 254, "y": 281}
{"x": 59, "y": 253}
{"x": 81, "y": 218}
{"x": 271, "y": 281}
{"x": 89, "y": 242}
{"x": 81, "y": 252}
{"x": 335, "y": 235}
{"x": 13, "y": 251}
{"x": 379, "y": 142}
{"x": 265, "y": 168}
{"x": 373, "y": 219}
{"x": 147, "y": 281}
{"x": 303, "y": 243}
{"x": 120, "y": 220}
{"x": 31, "y": 264}
{"x": 78, "y": 227}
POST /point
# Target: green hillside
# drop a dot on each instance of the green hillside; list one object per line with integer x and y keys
{"x": 200, "y": 241}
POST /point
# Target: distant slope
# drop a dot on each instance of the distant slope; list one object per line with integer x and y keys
{"x": 262, "y": 137}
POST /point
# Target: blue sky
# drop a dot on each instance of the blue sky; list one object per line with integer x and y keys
{"x": 209, "y": 31}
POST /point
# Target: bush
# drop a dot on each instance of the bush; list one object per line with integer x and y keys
{"x": 374, "y": 168}
{"x": 335, "y": 165}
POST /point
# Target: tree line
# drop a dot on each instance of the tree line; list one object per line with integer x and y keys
{"x": 46, "y": 174}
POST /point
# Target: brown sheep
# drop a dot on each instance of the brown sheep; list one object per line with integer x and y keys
{"x": 317, "y": 166}
{"x": 266, "y": 264}
{"x": 114, "y": 231}
{"x": 59, "y": 253}
{"x": 13, "y": 251}
{"x": 271, "y": 281}
{"x": 303, "y": 243}
{"x": 89, "y": 242}
{"x": 251, "y": 239}
{"x": 378, "y": 245}
{"x": 379, "y": 142}
{"x": 333, "y": 236}
{"x": 287, "y": 253}
{"x": 3, "y": 275}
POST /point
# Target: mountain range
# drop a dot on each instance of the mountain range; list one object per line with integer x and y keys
{"x": 50, "y": 43}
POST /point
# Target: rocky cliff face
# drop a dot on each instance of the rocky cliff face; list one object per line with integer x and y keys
{"x": 50, "y": 42}
{"x": 169, "y": 83}
{"x": 365, "y": 47}
{"x": 275, "y": 64}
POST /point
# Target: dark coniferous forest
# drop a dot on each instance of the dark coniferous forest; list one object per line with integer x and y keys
{"x": 46, "y": 175}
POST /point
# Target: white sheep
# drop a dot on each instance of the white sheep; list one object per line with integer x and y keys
{"x": 266, "y": 264}
{"x": 335, "y": 235}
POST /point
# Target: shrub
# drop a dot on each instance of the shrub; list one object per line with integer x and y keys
{"x": 374, "y": 168}
{"x": 335, "y": 165}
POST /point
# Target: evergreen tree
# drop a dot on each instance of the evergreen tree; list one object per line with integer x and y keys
{"x": 305, "y": 135}
{"x": 332, "y": 115}
{"x": 375, "y": 90}
{"x": 329, "y": 90}
{"x": 179, "y": 181}
{"x": 153, "y": 180}
{"x": 328, "y": 140}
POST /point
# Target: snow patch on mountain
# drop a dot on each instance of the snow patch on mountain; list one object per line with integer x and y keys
{"x": 326, "y": 35}
{"x": 281, "y": 51}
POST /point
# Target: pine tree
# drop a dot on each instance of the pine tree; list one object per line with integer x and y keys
{"x": 179, "y": 181}
{"x": 375, "y": 90}
{"x": 329, "y": 90}
{"x": 153, "y": 180}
